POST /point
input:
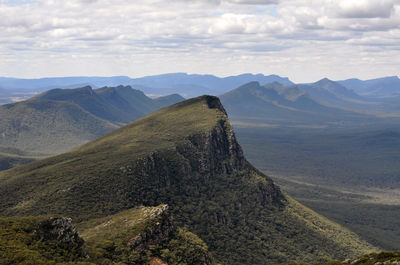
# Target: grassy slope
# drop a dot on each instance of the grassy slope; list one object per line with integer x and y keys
{"x": 42, "y": 127}
{"x": 88, "y": 100}
{"x": 109, "y": 238}
{"x": 240, "y": 215}
{"x": 60, "y": 119}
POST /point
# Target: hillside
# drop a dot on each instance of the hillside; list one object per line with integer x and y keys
{"x": 119, "y": 105}
{"x": 105, "y": 103}
{"x": 141, "y": 235}
{"x": 185, "y": 156}
{"x": 43, "y": 127}
{"x": 60, "y": 119}
{"x": 277, "y": 105}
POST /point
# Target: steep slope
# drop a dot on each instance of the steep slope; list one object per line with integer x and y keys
{"x": 281, "y": 105}
{"x": 186, "y": 156}
{"x": 43, "y": 127}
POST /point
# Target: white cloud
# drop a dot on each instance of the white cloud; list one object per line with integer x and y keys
{"x": 366, "y": 8}
{"x": 106, "y": 37}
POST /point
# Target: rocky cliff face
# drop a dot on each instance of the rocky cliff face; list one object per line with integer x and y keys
{"x": 160, "y": 230}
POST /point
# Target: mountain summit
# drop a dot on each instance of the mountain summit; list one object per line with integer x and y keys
{"x": 186, "y": 156}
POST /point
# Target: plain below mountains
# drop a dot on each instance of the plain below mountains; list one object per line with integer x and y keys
{"x": 60, "y": 119}
{"x": 186, "y": 156}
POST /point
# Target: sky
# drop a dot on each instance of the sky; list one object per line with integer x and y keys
{"x": 305, "y": 40}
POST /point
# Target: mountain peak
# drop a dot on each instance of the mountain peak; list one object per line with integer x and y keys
{"x": 214, "y": 103}
{"x": 324, "y": 81}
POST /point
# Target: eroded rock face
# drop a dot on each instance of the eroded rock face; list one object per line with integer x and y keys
{"x": 201, "y": 158}
{"x": 159, "y": 231}
{"x": 60, "y": 232}
{"x": 219, "y": 151}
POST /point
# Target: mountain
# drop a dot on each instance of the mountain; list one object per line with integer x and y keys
{"x": 121, "y": 104}
{"x": 276, "y": 104}
{"x": 93, "y": 103}
{"x": 379, "y": 87}
{"x": 333, "y": 93}
{"x": 186, "y": 156}
{"x": 60, "y": 119}
{"x": 42, "y": 127}
{"x": 188, "y": 85}
{"x": 191, "y": 85}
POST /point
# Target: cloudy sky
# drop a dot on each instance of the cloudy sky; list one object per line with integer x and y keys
{"x": 304, "y": 40}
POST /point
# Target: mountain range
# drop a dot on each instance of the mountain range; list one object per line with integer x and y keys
{"x": 276, "y": 105}
{"x": 185, "y": 156}
{"x": 187, "y": 85}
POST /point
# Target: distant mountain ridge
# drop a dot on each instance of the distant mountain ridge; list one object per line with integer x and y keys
{"x": 188, "y": 85}
{"x": 282, "y": 105}
{"x": 379, "y": 87}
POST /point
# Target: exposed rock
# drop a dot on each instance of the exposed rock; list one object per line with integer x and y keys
{"x": 59, "y": 231}
{"x": 159, "y": 231}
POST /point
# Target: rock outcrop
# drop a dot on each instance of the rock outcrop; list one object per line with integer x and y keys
{"x": 159, "y": 231}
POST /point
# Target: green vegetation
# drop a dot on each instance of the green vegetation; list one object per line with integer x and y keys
{"x": 21, "y": 242}
{"x": 349, "y": 175}
{"x": 41, "y": 127}
{"x": 134, "y": 236}
{"x": 185, "y": 156}
{"x": 60, "y": 119}
{"x": 137, "y": 235}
